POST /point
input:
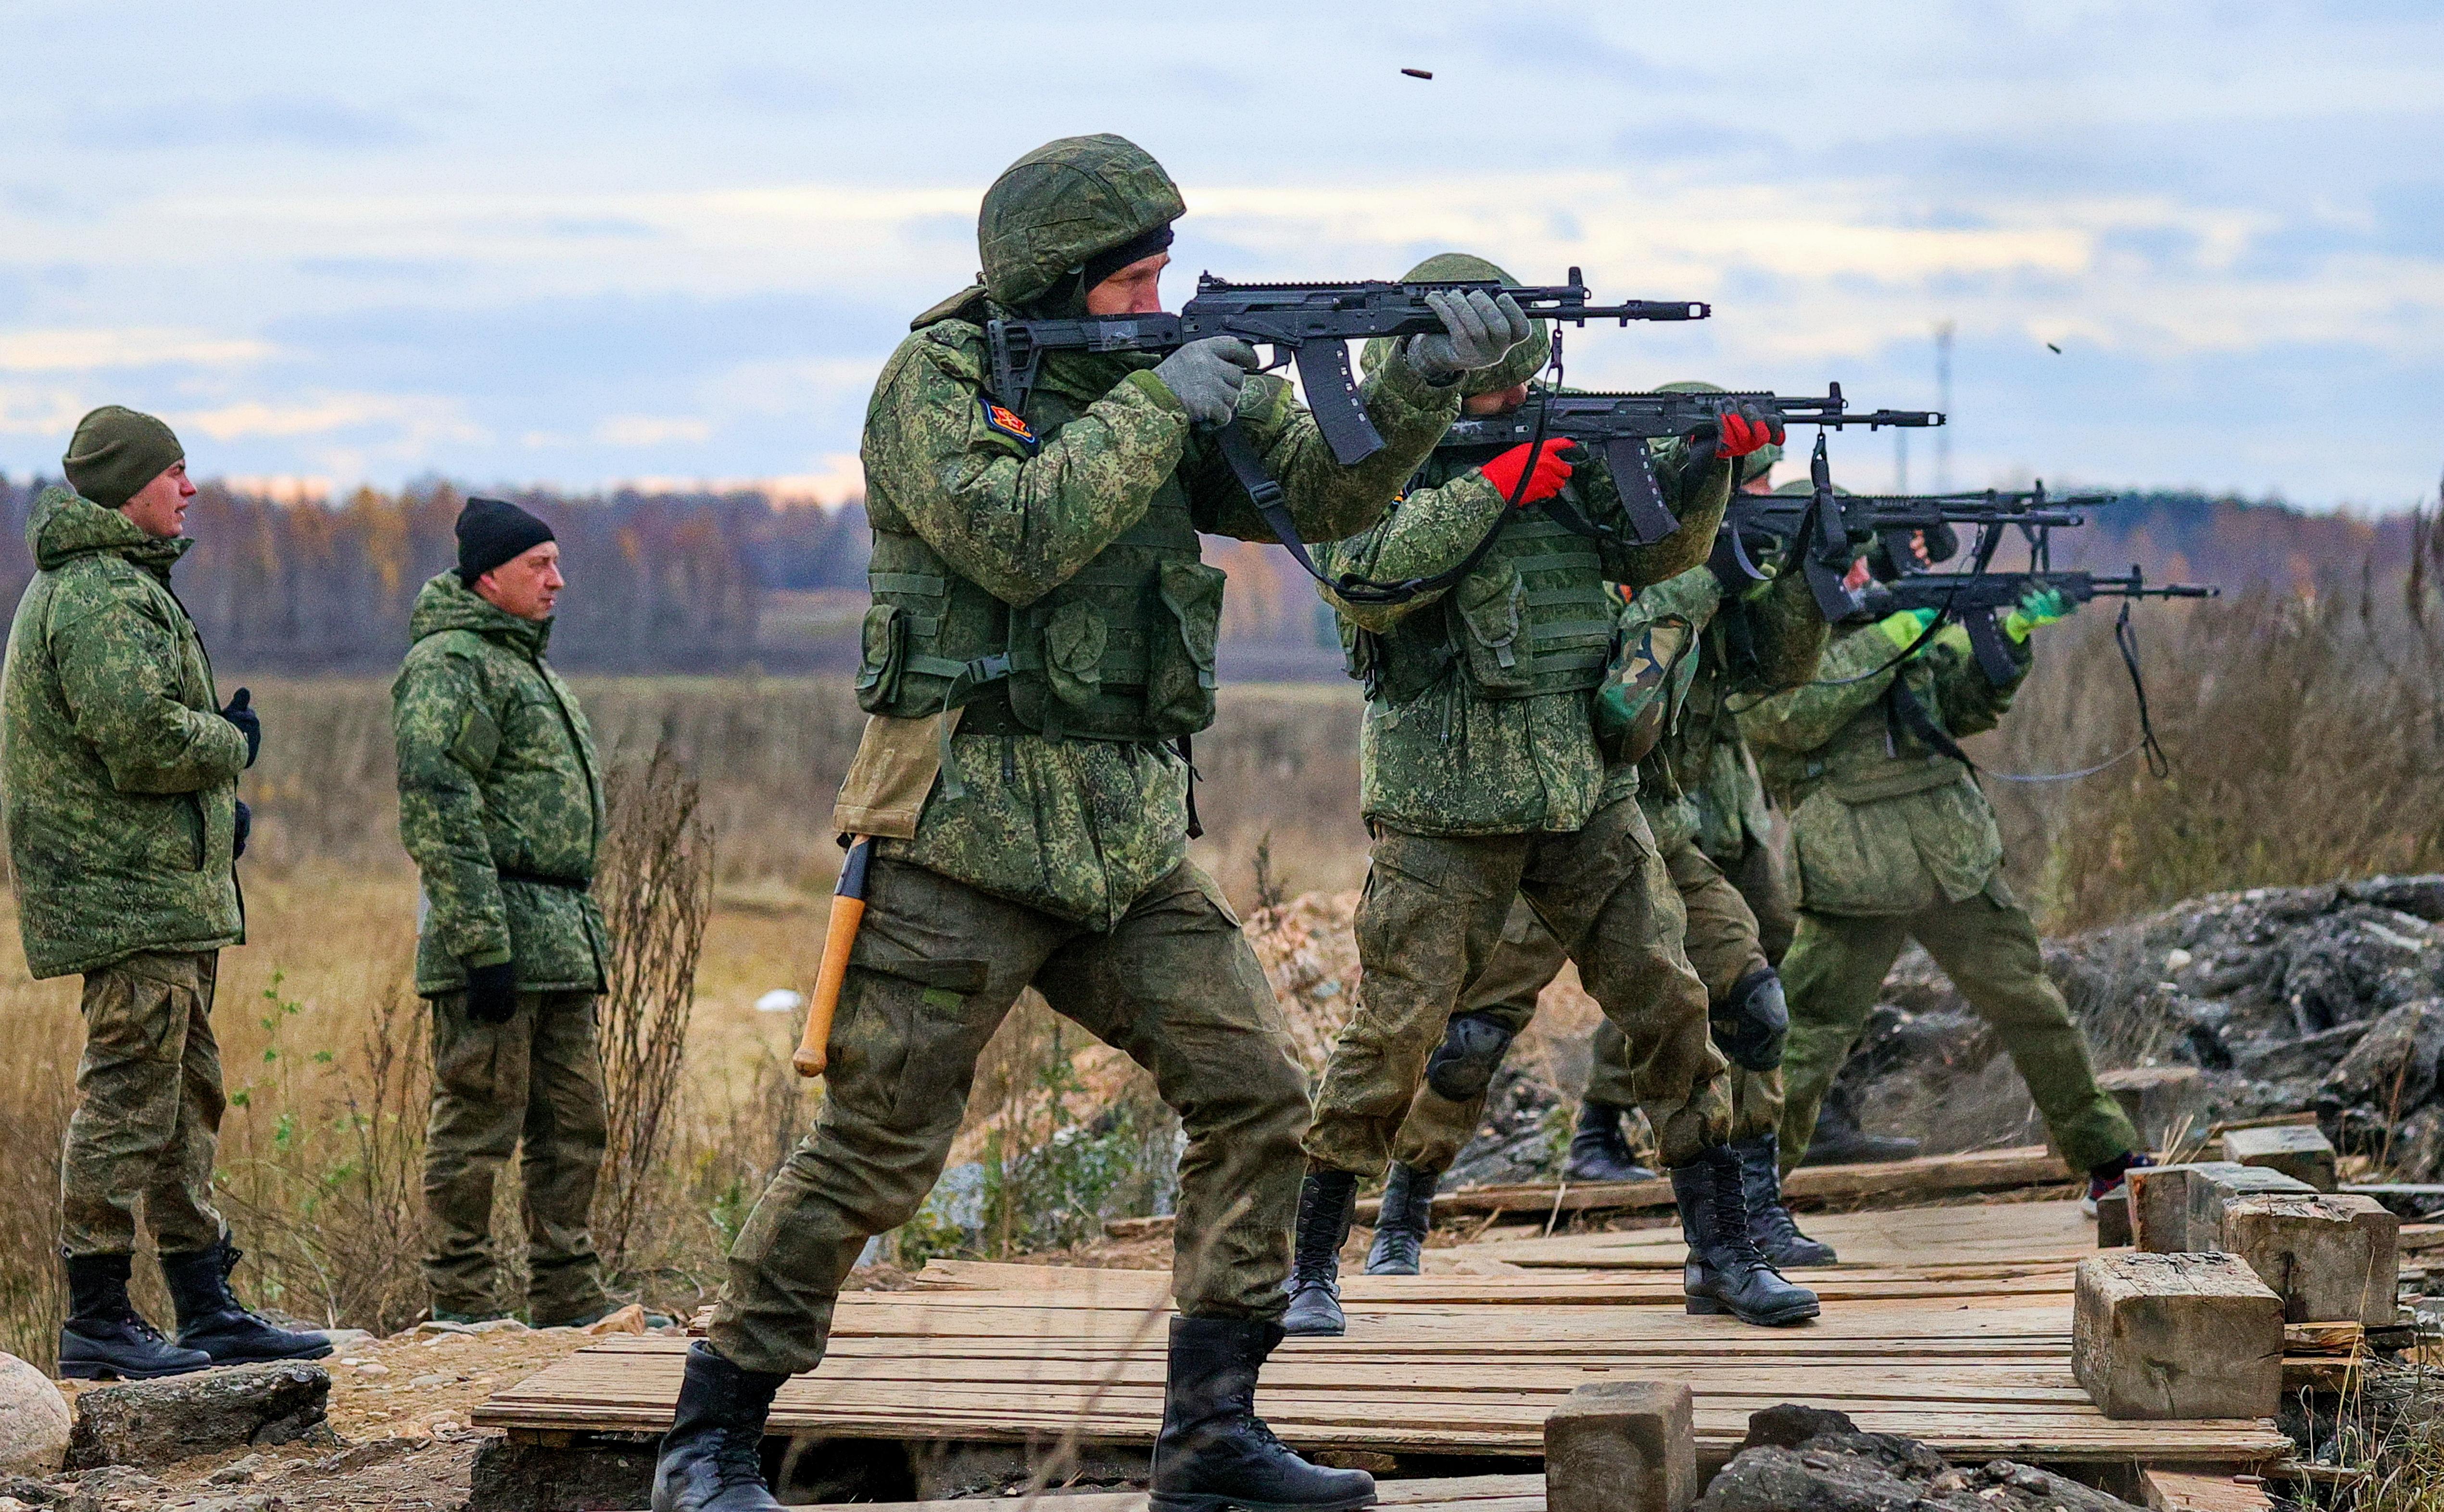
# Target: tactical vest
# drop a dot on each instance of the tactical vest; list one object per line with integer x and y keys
{"x": 1534, "y": 617}
{"x": 1122, "y": 650}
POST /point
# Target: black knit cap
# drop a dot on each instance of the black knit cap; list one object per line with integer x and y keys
{"x": 492, "y": 531}
{"x": 1111, "y": 259}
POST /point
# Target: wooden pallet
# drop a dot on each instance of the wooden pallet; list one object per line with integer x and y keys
{"x": 1451, "y": 1378}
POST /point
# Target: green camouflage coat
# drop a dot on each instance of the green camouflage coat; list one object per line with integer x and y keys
{"x": 1446, "y": 760}
{"x": 119, "y": 774}
{"x": 1880, "y": 824}
{"x": 1701, "y": 782}
{"x": 1080, "y": 828}
{"x": 498, "y": 788}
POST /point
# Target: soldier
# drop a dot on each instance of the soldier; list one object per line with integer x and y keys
{"x": 1698, "y": 790}
{"x": 500, "y": 802}
{"x": 121, "y": 779}
{"x": 1894, "y": 840}
{"x": 1483, "y": 777}
{"x": 1041, "y": 634}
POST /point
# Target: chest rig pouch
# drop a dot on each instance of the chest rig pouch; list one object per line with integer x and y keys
{"x": 1121, "y": 651}
{"x": 1534, "y": 617}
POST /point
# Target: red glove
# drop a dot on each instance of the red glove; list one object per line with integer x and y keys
{"x": 1546, "y": 474}
{"x": 1744, "y": 434}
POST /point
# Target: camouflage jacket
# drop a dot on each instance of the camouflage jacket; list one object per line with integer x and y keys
{"x": 1880, "y": 823}
{"x": 500, "y": 799}
{"x": 1447, "y": 759}
{"x": 1080, "y": 828}
{"x": 119, "y": 774}
{"x": 1700, "y": 781}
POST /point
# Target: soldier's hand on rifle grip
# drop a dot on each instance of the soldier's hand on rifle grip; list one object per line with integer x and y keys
{"x": 1207, "y": 376}
{"x": 1737, "y": 432}
{"x": 1546, "y": 472}
{"x": 1478, "y": 328}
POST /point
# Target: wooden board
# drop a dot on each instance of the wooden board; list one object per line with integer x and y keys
{"x": 1975, "y": 1381}
{"x": 1929, "y": 1175}
{"x": 1929, "y": 1241}
{"x": 1457, "y": 1493}
{"x": 2201, "y": 1491}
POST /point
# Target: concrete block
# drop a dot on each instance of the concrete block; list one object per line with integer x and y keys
{"x": 2160, "y": 1101}
{"x": 2300, "y": 1151}
{"x": 2330, "y": 1259}
{"x": 1622, "y": 1446}
{"x": 2177, "y": 1335}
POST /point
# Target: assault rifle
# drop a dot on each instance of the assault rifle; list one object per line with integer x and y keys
{"x": 1310, "y": 324}
{"x": 1871, "y": 515}
{"x": 1621, "y": 424}
{"x": 1976, "y": 597}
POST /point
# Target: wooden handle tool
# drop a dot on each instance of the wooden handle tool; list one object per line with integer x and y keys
{"x": 848, "y": 911}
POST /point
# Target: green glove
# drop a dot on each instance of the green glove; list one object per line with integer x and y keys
{"x": 2043, "y": 606}
{"x": 1904, "y": 627}
{"x": 1954, "y": 637}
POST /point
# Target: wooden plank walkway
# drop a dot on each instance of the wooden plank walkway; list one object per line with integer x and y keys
{"x": 1456, "y": 1493}
{"x": 1929, "y": 1241}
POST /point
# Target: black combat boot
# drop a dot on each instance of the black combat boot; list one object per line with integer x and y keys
{"x": 1215, "y": 1452}
{"x": 1770, "y": 1225}
{"x": 1325, "y": 1199}
{"x": 1839, "y": 1141}
{"x": 1599, "y": 1151}
{"x": 713, "y": 1457}
{"x": 1724, "y": 1273}
{"x": 105, "y": 1338}
{"x": 1400, "y": 1229}
{"x": 211, "y": 1320}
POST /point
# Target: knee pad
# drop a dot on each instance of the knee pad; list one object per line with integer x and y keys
{"x": 1753, "y": 1020}
{"x": 1463, "y": 1065}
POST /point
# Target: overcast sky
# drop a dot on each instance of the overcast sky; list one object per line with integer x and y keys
{"x": 577, "y": 243}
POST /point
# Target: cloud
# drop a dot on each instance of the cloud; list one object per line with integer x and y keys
{"x": 413, "y": 418}
{"x": 283, "y": 120}
{"x": 651, "y": 430}
{"x": 95, "y": 351}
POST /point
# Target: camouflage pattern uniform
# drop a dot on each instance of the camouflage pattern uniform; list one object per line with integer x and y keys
{"x": 1036, "y": 575}
{"x": 500, "y": 800}
{"x": 121, "y": 788}
{"x": 1894, "y": 840}
{"x": 1482, "y": 778}
{"x": 1700, "y": 792}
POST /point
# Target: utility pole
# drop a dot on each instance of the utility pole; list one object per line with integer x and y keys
{"x": 1943, "y": 401}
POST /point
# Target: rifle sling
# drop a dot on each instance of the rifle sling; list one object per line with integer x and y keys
{"x": 1902, "y": 705}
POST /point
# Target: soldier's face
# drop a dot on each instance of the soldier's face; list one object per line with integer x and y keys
{"x": 527, "y": 586}
{"x": 1136, "y": 289}
{"x": 159, "y": 509}
{"x": 1501, "y": 401}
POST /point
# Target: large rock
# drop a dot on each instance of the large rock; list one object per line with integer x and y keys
{"x": 34, "y": 1420}
{"x": 1801, "y": 1459}
{"x": 234, "y": 1407}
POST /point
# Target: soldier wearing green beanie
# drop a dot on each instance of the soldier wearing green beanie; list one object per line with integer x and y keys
{"x": 119, "y": 769}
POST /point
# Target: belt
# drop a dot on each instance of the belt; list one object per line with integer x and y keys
{"x": 573, "y": 884}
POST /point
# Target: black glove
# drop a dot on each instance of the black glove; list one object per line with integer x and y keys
{"x": 250, "y": 724}
{"x": 492, "y": 992}
{"x": 245, "y": 827}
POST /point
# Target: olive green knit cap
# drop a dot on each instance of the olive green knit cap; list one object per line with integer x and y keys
{"x": 117, "y": 452}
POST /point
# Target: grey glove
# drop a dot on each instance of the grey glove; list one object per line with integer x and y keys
{"x": 1207, "y": 373}
{"x": 1477, "y": 328}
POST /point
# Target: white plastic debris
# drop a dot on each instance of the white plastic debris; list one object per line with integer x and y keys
{"x": 780, "y": 1000}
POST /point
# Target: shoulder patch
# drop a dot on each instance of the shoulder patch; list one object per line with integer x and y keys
{"x": 1007, "y": 422}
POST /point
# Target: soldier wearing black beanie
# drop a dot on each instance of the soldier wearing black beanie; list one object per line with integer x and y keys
{"x": 492, "y": 531}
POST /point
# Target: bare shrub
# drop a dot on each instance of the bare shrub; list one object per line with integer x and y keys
{"x": 655, "y": 885}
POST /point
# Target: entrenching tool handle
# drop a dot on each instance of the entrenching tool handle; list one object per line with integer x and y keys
{"x": 848, "y": 911}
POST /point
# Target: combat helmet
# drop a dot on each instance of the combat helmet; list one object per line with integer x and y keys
{"x": 1055, "y": 208}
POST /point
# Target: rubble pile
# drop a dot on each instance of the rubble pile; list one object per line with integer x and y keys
{"x": 2329, "y": 999}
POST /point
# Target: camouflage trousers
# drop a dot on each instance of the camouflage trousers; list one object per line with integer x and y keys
{"x": 936, "y": 968}
{"x": 1723, "y": 942}
{"x": 148, "y": 1108}
{"x": 531, "y": 1087}
{"x": 1431, "y": 922}
{"x": 1988, "y": 946}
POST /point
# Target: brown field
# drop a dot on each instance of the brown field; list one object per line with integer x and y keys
{"x": 2304, "y": 732}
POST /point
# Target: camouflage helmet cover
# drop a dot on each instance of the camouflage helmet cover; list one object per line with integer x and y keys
{"x": 1060, "y": 204}
{"x": 1517, "y": 366}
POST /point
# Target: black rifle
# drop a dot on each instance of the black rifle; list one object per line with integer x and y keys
{"x": 1310, "y": 324}
{"x": 1621, "y": 424}
{"x": 1871, "y": 515}
{"x": 1976, "y": 599}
